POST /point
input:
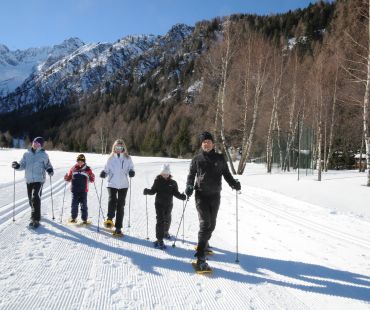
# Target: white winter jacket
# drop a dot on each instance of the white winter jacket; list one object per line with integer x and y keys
{"x": 117, "y": 169}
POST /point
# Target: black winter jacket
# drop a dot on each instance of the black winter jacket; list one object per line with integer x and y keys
{"x": 165, "y": 190}
{"x": 209, "y": 167}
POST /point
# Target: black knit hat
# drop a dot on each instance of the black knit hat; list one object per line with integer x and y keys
{"x": 39, "y": 140}
{"x": 81, "y": 157}
{"x": 205, "y": 136}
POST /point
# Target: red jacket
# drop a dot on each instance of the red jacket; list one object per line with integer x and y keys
{"x": 80, "y": 177}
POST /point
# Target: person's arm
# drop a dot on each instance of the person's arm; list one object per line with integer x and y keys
{"x": 91, "y": 175}
{"x": 48, "y": 166}
{"x": 228, "y": 176}
{"x": 23, "y": 162}
{"x": 106, "y": 169}
{"x": 68, "y": 176}
{"x": 176, "y": 192}
{"x": 131, "y": 168}
{"x": 154, "y": 189}
{"x": 191, "y": 178}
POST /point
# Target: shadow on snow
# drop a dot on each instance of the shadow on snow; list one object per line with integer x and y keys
{"x": 255, "y": 270}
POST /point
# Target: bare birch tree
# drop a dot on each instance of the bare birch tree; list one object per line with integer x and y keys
{"x": 258, "y": 80}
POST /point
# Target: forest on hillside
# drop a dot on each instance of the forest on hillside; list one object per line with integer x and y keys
{"x": 270, "y": 86}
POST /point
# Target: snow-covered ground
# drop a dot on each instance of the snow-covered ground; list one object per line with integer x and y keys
{"x": 302, "y": 245}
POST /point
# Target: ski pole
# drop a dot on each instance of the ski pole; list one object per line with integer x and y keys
{"x": 101, "y": 193}
{"x": 183, "y": 223}
{"x": 237, "y": 227}
{"x": 182, "y": 216}
{"x": 100, "y": 207}
{"x": 64, "y": 194}
{"x": 14, "y": 198}
{"x": 146, "y": 209}
{"x": 51, "y": 195}
{"x": 129, "y": 206}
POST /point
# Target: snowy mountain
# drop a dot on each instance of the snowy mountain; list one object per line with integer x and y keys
{"x": 88, "y": 67}
{"x": 17, "y": 66}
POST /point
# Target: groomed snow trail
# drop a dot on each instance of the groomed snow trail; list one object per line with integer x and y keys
{"x": 293, "y": 255}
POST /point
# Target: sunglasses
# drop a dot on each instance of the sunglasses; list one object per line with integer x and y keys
{"x": 119, "y": 148}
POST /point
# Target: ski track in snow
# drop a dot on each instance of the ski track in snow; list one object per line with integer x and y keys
{"x": 61, "y": 266}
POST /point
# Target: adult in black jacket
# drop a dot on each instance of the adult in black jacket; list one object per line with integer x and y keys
{"x": 165, "y": 188}
{"x": 209, "y": 167}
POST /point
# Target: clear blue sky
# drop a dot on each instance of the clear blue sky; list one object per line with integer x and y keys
{"x": 35, "y": 23}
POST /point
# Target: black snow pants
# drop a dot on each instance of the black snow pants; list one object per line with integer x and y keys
{"x": 116, "y": 204}
{"x": 207, "y": 207}
{"x": 163, "y": 212}
{"x": 34, "y": 191}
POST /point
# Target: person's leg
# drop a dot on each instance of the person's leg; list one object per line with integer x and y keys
{"x": 36, "y": 201}
{"x": 214, "y": 203}
{"x": 120, "y": 207}
{"x": 112, "y": 202}
{"x": 83, "y": 203}
{"x": 160, "y": 225}
{"x": 74, "y": 205}
{"x": 204, "y": 216}
{"x": 168, "y": 219}
{"x": 29, "y": 193}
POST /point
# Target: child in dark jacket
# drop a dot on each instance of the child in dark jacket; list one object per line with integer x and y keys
{"x": 165, "y": 188}
{"x": 79, "y": 175}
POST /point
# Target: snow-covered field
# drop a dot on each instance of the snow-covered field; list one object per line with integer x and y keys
{"x": 302, "y": 245}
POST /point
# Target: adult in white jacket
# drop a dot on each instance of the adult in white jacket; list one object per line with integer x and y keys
{"x": 118, "y": 168}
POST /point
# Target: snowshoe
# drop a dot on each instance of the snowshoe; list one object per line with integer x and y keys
{"x": 108, "y": 223}
{"x": 167, "y": 236}
{"x": 201, "y": 267}
{"x": 159, "y": 245}
{"x": 87, "y": 222}
{"x": 118, "y": 233}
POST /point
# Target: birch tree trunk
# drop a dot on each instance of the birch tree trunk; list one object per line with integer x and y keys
{"x": 332, "y": 122}
{"x": 290, "y": 136}
{"x": 226, "y": 59}
{"x": 261, "y": 78}
{"x": 276, "y": 89}
{"x": 366, "y": 104}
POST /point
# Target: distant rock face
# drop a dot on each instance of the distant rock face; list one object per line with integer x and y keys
{"x": 17, "y": 66}
{"x": 50, "y": 76}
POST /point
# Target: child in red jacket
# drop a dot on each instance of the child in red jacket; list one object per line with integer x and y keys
{"x": 80, "y": 175}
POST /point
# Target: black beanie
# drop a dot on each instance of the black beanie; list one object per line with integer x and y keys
{"x": 205, "y": 136}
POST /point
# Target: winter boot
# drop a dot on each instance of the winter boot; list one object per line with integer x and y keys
{"x": 208, "y": 250}
{"x": 71, "y": 220}
{"x": 34, "y": 224}
{"x": 167, "y": 236}
{"x": 108, "y": 223}
{"x": 159, "y": 244}
{"x": 202, "y": 265}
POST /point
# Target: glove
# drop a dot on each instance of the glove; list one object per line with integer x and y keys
{"x": 103, "y": 174}
{"x": 237, "y": 186}
{"x": 131, "y": 173}
{"x": 15, "y": 165}
{"x": 189, "y": 190}
{"x": 146, "y": 191}
{"x": 66, "y": 177}
{"x": 50, "y": 171}
{"x": 182, "y": 196}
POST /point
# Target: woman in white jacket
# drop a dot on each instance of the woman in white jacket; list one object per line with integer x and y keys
{"x": 119, "y": 165}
